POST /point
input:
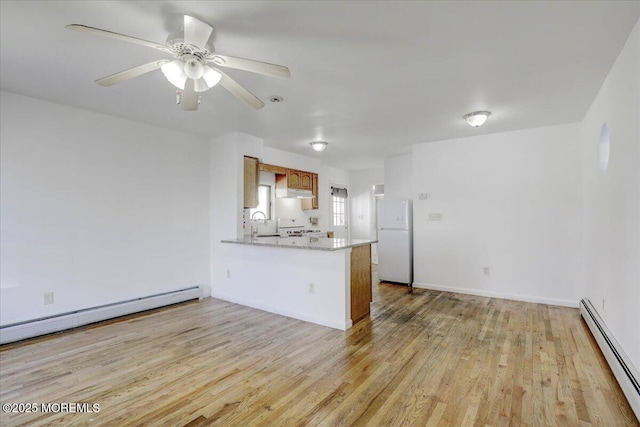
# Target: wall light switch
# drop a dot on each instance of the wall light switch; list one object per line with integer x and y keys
{"x": 436, "y": 216}
{"x": 424, "y": 196}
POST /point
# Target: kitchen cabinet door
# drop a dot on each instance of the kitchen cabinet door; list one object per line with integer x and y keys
{"x": 308, "y": 204}
{"x": 293, "y": 178}
{"x": 251, "y": 180}
{"x": 299, "y": 180}
{"x": 306, "y": 180}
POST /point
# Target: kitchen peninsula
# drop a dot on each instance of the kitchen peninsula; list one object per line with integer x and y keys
{"x": 322, "y": 280}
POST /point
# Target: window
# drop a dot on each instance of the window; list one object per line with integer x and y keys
{"x": 338, "y": 211}
{"x": 264, "y": 202}
{"x": 338, "y": 206}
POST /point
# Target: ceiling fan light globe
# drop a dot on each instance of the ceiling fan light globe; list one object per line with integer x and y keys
{"x": 200, "y": 85}
{"x": 211, "y": 76}
{"x": 193, "y": 68}
{"x": 174, "y": 72}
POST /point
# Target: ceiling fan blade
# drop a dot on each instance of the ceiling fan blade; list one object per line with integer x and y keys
{"x": 238, "y": 90}
{"x": 196, "y": 32}
{"x": 252, "y": 66}
{"x": 130, "y": 73}
{"x": 118, "y": 36}
{"x": 189, "y": 97}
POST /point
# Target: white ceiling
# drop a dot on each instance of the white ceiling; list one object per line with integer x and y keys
{"x": 371, "y": 78}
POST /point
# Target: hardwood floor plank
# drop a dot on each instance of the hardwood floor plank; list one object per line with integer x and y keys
{"x": 423, "y": 358}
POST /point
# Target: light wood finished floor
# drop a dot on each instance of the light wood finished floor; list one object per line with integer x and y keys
{"x": 424, "y": 358}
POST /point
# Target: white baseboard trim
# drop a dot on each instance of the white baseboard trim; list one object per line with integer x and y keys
{"x": 343, "y": 326}
{"x": 59, "y": 322}
{"x": 623, "y": 369}
{"x": 490, "y": 294}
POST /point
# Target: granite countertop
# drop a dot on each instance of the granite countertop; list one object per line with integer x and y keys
{"x": 313, "y": 243}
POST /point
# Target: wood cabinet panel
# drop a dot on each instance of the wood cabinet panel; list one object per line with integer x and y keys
{"x": 314, "y": 187}
{"x": 305, "y": 180}
{"x": 300, "y": 180}
{"x": 251, "y": 181}
{"x": 308, "y": 204}
{"x": 293, "y": 178}
{"x": 279, "y": 170}
{"x": 361, "y": 295}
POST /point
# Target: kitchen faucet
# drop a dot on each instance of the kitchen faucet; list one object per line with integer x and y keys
{"x": 253, "y": 217}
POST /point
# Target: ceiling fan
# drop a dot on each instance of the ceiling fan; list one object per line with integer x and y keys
{"x": 195, "y": 67}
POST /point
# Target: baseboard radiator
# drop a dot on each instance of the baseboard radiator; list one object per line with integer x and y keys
{"x": 621, "y": 366}
{"x": 60, "y": 322}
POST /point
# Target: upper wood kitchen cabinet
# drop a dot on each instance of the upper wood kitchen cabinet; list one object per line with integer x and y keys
{"x": 278, "y": 170}
{"x": 308, "y": 204}
{"x": 251, "y": 181}
{"x": 299, "y": 179}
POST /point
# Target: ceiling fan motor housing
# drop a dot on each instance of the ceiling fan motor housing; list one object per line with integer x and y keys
{"x": 176, "y": 41}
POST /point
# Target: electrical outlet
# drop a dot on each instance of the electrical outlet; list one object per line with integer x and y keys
{"x": 48, "y": 298}
{"x": 228, "y": 274}
{"x": 312, "y": 288}
{"x": 487, "y": 271}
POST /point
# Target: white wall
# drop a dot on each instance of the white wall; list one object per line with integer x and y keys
{"x": 398, "y": 176}
{"x": 363, "y": 205}
{"x": 96, "y": 209}
{"x": 285, "y": 159}
{"x": 362, "y": 202}
{"x": 510, "y": 202}
{"x": 226, "y": 192}
{"x": 277, "y": 280}
{"x": 612, "y": 200}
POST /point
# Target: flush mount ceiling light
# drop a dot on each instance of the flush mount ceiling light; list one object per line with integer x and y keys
{"x": 319, "y": 145}
{"x": 477, "y": 118}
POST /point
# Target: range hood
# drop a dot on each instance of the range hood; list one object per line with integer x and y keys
{"x": 294, "y": 193}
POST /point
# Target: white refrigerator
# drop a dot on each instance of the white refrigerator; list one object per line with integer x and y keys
{"x": 395, "y": 241}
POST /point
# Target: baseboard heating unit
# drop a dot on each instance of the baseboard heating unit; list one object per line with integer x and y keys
{"x": 625, "y": 372}
{"x": 59, "y": 322}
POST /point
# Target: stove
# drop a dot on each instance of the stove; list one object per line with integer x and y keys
{"x": 293, "y": 228}
{"x": 302, "y": 233}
